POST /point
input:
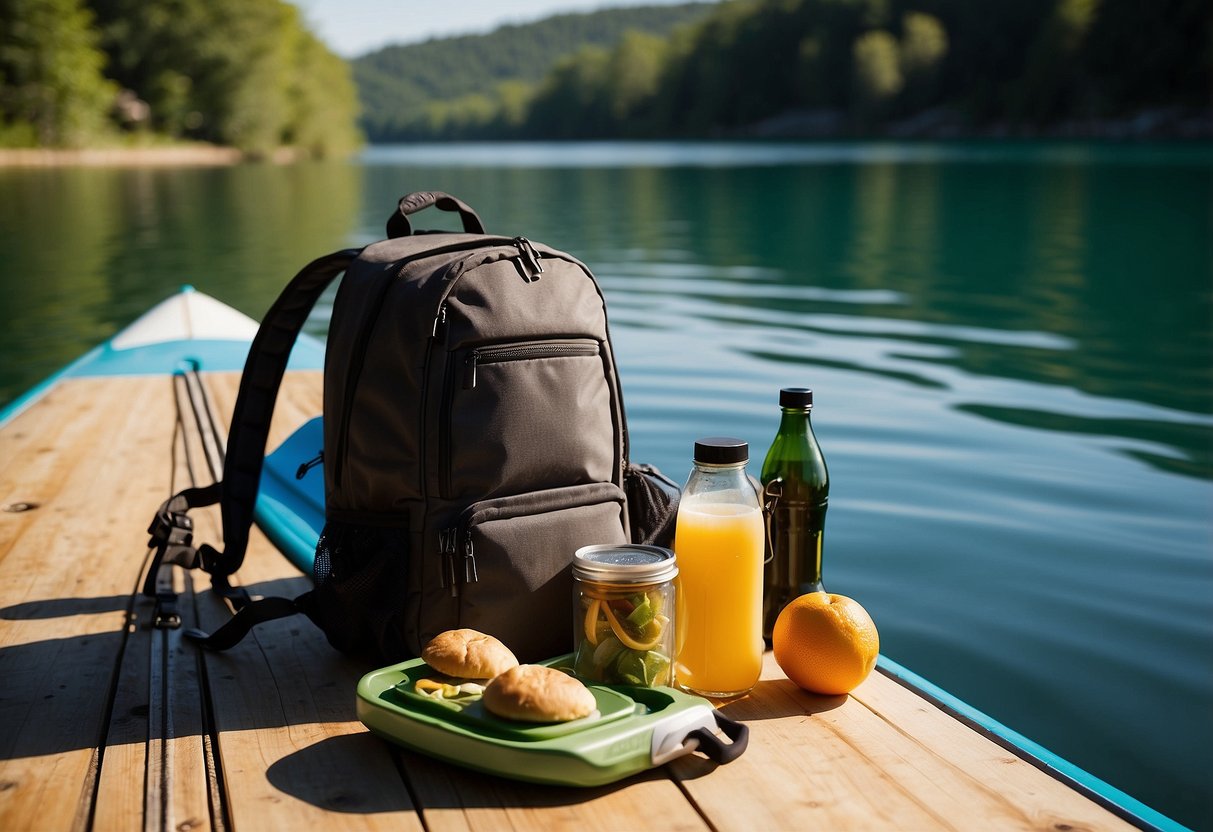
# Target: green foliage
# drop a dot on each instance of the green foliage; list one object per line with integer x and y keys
{"x": 52, "y": 91}
{"x": 860, "y": 64}
{"x": 877, "y": 71}
{"x": 244, "y": 73}
{"x": 248, "y": 73}
{"x": 423, "y": 90}
{"x": 924, "y": 47}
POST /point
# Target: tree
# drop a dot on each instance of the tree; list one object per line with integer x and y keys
{"x": 877, "y": 74}
{"x": 633, "y": 74}
{"x": 52, "y": 91}
{"x": 1052, "y": 82}
{"x": 245, "y": 73}
{"x": 924, "y": 46}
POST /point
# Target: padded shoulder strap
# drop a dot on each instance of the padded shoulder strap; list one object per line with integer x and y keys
{"x": 250, "y": 427}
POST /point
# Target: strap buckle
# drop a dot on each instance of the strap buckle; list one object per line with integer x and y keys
{"x": 172, "y": 536}
{"x": 166, "y": 616}
{"x": 172, "y": 532}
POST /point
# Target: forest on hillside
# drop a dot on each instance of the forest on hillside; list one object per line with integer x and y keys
{"x": 414, "y": 90}
{"x": 249, "y": 74}
{"x": 827, "y": 67}
{"x": 242, "y": 73}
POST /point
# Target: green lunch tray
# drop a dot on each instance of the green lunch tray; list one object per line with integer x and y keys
{"x": 633, "y": 729}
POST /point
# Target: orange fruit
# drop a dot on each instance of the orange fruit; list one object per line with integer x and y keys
{"x": 825, "y": 643}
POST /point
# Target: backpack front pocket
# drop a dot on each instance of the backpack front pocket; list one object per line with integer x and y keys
{"x": 510, "y": 560}
{"x": 522, "y": 415}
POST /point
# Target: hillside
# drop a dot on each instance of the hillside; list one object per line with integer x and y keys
{"x": 797, "y": 68}
{"x": 413, "y": 90}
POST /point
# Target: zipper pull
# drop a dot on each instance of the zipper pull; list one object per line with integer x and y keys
{"x": 469, "y": 562}
{"x": 439, "y": 323}
{"x": 529, "y": 256}
{"x": 302, "y": 470}
{"x": 469, "y": 369}
{"x": 446, "y": 546}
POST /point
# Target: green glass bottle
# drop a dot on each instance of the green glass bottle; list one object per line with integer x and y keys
{"x": 796, "y": 485}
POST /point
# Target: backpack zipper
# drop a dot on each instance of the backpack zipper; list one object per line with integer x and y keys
{"x": 522, "y": 352}
{"x": 448, "y": 548}
{"x": 528, "y": 256}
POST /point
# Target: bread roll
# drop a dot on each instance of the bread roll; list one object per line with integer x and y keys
{"x": 468, "y": 654}
{"x": 535, "y": 693}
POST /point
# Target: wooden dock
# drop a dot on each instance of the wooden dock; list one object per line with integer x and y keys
{"x": 109, "y": 723}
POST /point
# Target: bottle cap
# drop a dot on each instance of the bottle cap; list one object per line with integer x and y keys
{"x": 796, "y": 397}
{"x": 721, "y": 450}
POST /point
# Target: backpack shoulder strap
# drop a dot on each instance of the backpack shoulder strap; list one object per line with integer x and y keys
{"x": 250, "y": 425}
{"x": 236, "y": 493}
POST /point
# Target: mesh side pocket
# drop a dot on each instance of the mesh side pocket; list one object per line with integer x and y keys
{"x": 652, "y": 505}
{"x": 361, "y": 574}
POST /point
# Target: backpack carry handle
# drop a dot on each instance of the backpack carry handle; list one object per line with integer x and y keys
{"x": 398, "y": 223}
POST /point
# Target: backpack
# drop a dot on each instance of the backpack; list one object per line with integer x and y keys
{"x": 474, "y": 439}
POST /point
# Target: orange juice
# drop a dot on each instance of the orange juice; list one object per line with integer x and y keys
{"x": 720, "y": 551}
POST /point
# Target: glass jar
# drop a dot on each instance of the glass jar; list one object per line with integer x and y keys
{"x": 624, "y": 614}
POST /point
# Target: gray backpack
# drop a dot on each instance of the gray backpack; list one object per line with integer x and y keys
{"x": 474, "y": 438}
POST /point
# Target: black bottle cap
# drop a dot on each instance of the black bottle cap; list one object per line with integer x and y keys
{"x": 795, "y": 397}
{"x": 721, "y": 450}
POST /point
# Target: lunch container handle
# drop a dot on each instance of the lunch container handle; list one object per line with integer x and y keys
{"x": 710, "y": 744}
{"x": 398, "y": 223}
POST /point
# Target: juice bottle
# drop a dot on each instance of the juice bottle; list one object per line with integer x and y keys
{"x": 719, "y": 544}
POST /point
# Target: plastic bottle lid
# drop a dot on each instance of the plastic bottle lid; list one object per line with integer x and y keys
{"x": 796, "y": 397}
{"x": 721, "y": 450}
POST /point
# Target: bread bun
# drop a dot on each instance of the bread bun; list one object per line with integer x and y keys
{"x": 535, "y": 693}
{"x": 468, "y": 654}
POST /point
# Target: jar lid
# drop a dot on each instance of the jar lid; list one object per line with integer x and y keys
{"x": 721, "y": 450}
{"x": 627, "y": 563}
{"x": 796, "y": 397}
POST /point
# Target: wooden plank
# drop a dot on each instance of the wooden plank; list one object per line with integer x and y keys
{"x": 70, "y": 568}
{"x": 1031, "y": 795}
{"x": 155, "y": 771}
{"x": 882, "y": 757}
{"x": 452, "y": 799}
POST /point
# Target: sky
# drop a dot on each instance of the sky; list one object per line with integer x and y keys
{"x": 354, "y": 27}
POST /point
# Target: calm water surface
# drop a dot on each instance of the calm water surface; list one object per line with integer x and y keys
{"x": 1011, "y": 347}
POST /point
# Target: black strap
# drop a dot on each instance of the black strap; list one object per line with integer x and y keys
{"x": 172, "y": 532}
{"x": 250, "y": 426}
{"x": 398, "y": 223}
{"x": 249, "y": 616}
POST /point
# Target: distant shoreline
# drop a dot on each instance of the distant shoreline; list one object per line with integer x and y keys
{"x": 167, "y": 156}
{"x": 935, "y": 125}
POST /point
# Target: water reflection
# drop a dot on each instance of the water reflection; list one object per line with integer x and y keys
{"x": 86, "y": 250}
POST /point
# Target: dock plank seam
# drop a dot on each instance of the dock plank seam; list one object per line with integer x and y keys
{"x": 87, "y": 810}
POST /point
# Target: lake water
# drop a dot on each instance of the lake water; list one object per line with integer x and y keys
{"x": 1011, "y": 347}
